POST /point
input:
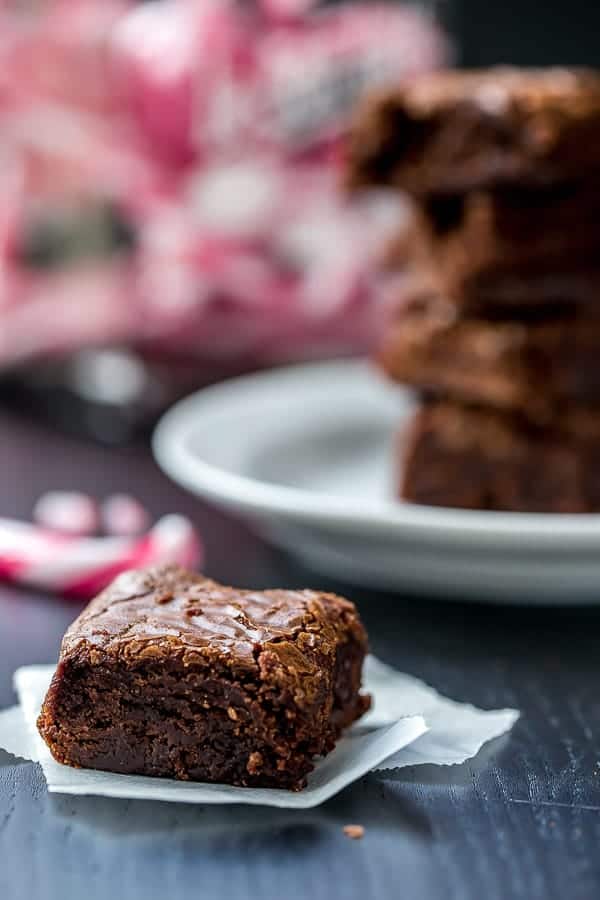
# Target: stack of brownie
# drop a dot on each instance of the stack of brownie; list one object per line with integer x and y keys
{"x": 501, "y": 335}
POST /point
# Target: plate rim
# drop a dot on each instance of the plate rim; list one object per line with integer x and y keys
{"x": 504, "y": 530}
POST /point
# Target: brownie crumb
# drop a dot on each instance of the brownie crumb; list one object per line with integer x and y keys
{"x": 354, "y": 832}
{"x": 255, "y": 763}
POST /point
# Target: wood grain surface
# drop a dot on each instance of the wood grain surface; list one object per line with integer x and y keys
{"x": 521, "y": 821}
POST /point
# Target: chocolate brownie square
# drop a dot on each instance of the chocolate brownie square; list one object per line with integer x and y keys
{"x": 513, "y": 250}
{"x": 169, "y": 674}
{"x": 453, "y": 131}
{"x": 472, "y": 458}
{"x": 536, "y": 367}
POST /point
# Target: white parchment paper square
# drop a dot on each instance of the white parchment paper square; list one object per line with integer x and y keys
{"x": 409, "y": 724}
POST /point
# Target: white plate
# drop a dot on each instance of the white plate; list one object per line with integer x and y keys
{"x": 305, "y": 453}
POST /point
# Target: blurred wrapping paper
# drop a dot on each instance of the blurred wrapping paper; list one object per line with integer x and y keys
{"x": 170, "y": 181}
{"x": 285, "y": 275}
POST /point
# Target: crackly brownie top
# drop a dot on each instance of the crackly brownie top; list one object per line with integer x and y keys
{"x": 572, "y": 92}
{"x": 168, "y": 610}
{"x": 454, "y": 130}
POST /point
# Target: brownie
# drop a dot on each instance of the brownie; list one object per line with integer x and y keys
{"x": 458, "y": 456}
{"x": 509, "y": 250}
{"x": 167, "y": 673}
{"x": 537, "y": 367}
{"x": 453, "y": 131}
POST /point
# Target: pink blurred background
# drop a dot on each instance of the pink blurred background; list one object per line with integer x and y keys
{"x": 170, "y": 183}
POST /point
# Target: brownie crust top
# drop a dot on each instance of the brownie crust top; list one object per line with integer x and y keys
{"x": 164, "y": 610}
{"x": 572, "y": 92}
{"x": 454, "y": 131}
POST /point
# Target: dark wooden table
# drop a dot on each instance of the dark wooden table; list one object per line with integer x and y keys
{"x": 520, "y": 821}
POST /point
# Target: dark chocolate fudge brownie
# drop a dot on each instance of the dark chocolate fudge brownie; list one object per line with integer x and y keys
{"x": 509, "y": 250}
{"x": 475, "y": 459}
{"x": 169, "y": 674}
{"x": 456, "y": 131}
{"x": 537, "y": 368}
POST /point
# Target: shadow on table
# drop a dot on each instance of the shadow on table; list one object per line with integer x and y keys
{"x": 377, "y": 802}
{"x": 368, "y": 803}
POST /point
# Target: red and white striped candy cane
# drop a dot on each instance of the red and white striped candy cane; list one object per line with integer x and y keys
{"x": 79, "y": 567}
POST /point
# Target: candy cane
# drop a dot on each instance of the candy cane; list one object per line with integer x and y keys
{"x": 79, "y": 567}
